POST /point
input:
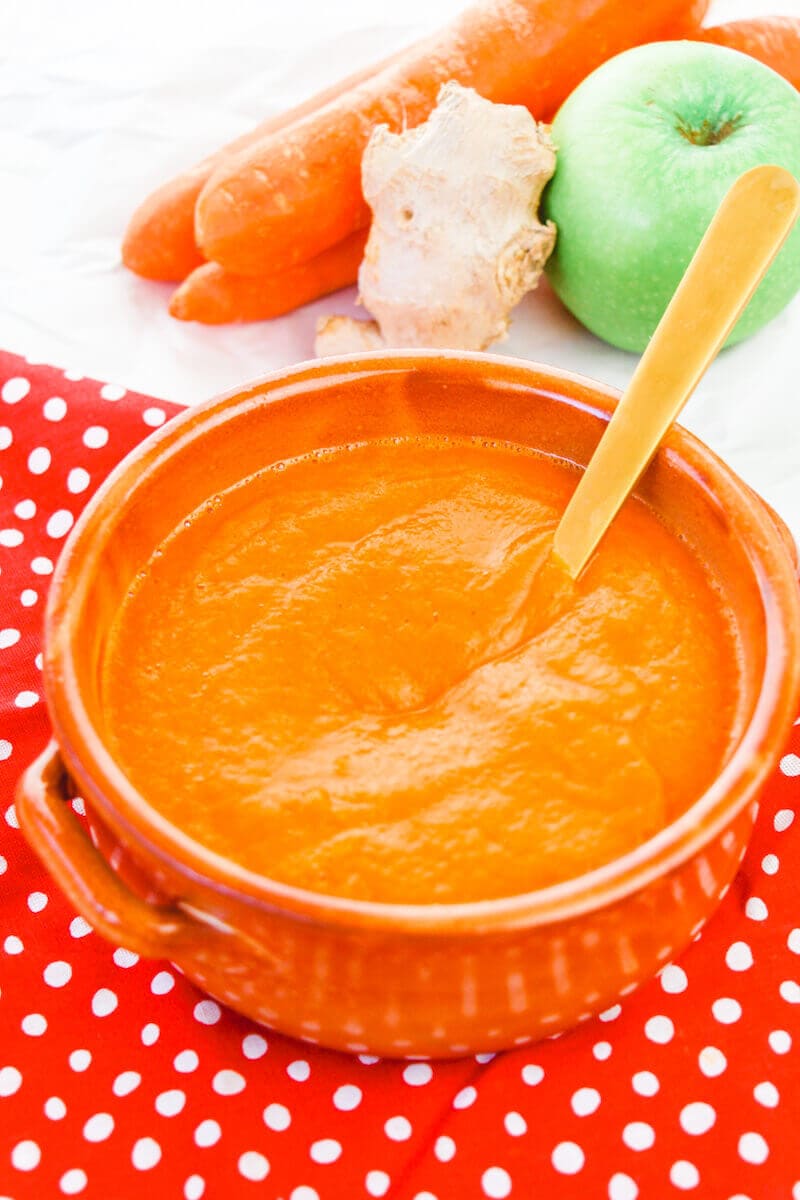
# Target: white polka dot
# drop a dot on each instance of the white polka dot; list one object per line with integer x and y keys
{"x": 73, "y": 374}
{"x": 347, "y": 1097}
{"x": 150, "y": 1034}
{"x": 13, "y": 820}
{"x": 78, "y": 480}
{"x": 111, "y": 391}
{"x": 532, "y": 1074}
{"x": 154, "y": 417}
{"x": 10, "y": 538}
{"x": 25, "y": 510}
{"x": 55, "y": 409}
{"x": 125, "y": 958}
{"x": 622, "y": 1187}
{"x": 253, "y": 1166}
{"x": 303, "y": 1192}
{"x": 6, "y": 750}
{"x": 601, "y": 1051}
{"x": 444, "y": 1148}
{"x": 34, "y": 1025}
{"x": 496, "y": 1183}
{"x": 780, "y": 1041}
{"x": 585, "y": 1101}
{"x": 645, "y": 1083}
{"x": 326, "y": 1150}
{"x": 465, "y": 1098}
{"x": 170, "y": 1103}
{"x": 611, "y": 1014}
{"x": 660, "y": 1030}
{"x": 228, "y": 1083}
{"x": 753, "y": 1148}
{"x": 39, "y": 460}
{"x": 26, "y": 699}
{"x": 3, "y": 863}
{"x": 638, "y": 1135}
{"x": 99, "y": 1127}
{"x": 398, "y": 1129}
{"x": 377, "y": 1183}
{"x": 8, "y": 637}
{"x": 254, "y": 1046}
{"x": 726, "y": 1010}
{"x": 104, "y": 1001}
{"x": 790, "y": 764}
{"x": 10, "y": 1081}
{"x": 26, "y": 1156}
{"x": 697, "y": 1117}
{"x": 80, "y": 1060}
{"x": 684, "y": 1175}
{"x": 55, "y": 1108}
{"x": 783, "y": 819}
{"x": 739, "y": 956}
{"x": 790, "y": 991}
{"x": 793, "y": 941}
{"x": 767, "y": 1094}
{"x": 37, "y": 901}
{"x": 756, "y": 909}
{"x": 207, "y": 1012}
{"x": 57, "y": 974}
{"x": 28, "y": 598}
{"x": 515, "y": 1124}
{"x": 194, "y": 1187}
{"x": 95, "y": 437}
{"x": 146, "y": 1154}
{"x": 162, "y": 983}
{"x": 15, "y": 389}
{"x": 6, "y": 437}
{"x": 126, "y": 1082}
{"x": 60, "y": 523}
{"x": 186, "y": 1061}
{"x": 673, "y": 979}
{"x": 73, "y": 1182}
{"x": 417, "y": 1074}
{"x": 568, "y": 1158}
{"x": 42, "y": 565}
{"x": 299, "y": 1070}
{"x": 208, "y": 1133}
{"x": 712, "y": 1062}
{"x": 13, "y": 944}
{"x": 277, "y": 1117}
{"x": 770, "y": 864}
{"x": 79, "y": 928}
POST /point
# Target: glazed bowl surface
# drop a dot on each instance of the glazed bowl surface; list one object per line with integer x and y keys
{"x": 392, "y": 979}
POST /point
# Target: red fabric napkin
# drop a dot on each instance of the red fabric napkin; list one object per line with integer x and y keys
{"x": 118, "y": 1077}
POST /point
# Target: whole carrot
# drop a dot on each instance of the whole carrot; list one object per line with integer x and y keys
{"x": 774, "y": 41}
{"x": 214, "y": 296}
{"x": 291, "y": 194}
{"x": 159, "y": 242}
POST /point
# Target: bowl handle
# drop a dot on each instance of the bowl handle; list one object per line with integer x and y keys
{"x": 153, "y": 931}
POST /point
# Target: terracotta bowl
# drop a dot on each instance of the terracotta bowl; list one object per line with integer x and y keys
{"x": 436, "y": 980}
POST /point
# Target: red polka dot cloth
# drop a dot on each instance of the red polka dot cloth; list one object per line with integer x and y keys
{"x": 118, "y": 1077}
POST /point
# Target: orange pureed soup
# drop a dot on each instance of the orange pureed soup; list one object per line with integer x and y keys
{"x": 357, "y": 673}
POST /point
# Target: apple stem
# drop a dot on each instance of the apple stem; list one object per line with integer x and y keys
{"x": 709, "y": 134}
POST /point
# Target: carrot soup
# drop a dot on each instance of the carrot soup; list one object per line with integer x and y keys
{"x": 357, "y": 672}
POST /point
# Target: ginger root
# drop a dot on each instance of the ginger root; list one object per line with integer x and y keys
{"x": 455, "y": 240}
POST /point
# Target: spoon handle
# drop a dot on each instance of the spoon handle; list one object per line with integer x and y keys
{"x": 746, "y": 232}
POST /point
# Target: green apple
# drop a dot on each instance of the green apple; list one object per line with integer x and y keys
{"x": 647, "y": 146}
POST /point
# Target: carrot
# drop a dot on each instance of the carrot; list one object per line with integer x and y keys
{"x": 214, "y": 296}
{"x": 774, "y": 41}
{"x": 688, "y": 24}
{"x": 293, "y": 193}
{"x": 159, "y": 242}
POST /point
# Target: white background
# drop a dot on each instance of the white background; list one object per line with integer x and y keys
{"x": 100, "y": 101}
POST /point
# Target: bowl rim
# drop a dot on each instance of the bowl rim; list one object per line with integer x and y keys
{"x": 112, "y": 794}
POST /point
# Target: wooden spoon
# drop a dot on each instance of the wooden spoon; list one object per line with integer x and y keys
{"x": 746, "y": 232}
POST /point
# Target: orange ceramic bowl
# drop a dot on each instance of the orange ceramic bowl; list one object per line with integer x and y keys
{"x": 396, "y": 979}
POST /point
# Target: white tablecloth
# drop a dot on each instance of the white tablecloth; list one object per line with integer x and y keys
{"x": 100, "y": 102}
